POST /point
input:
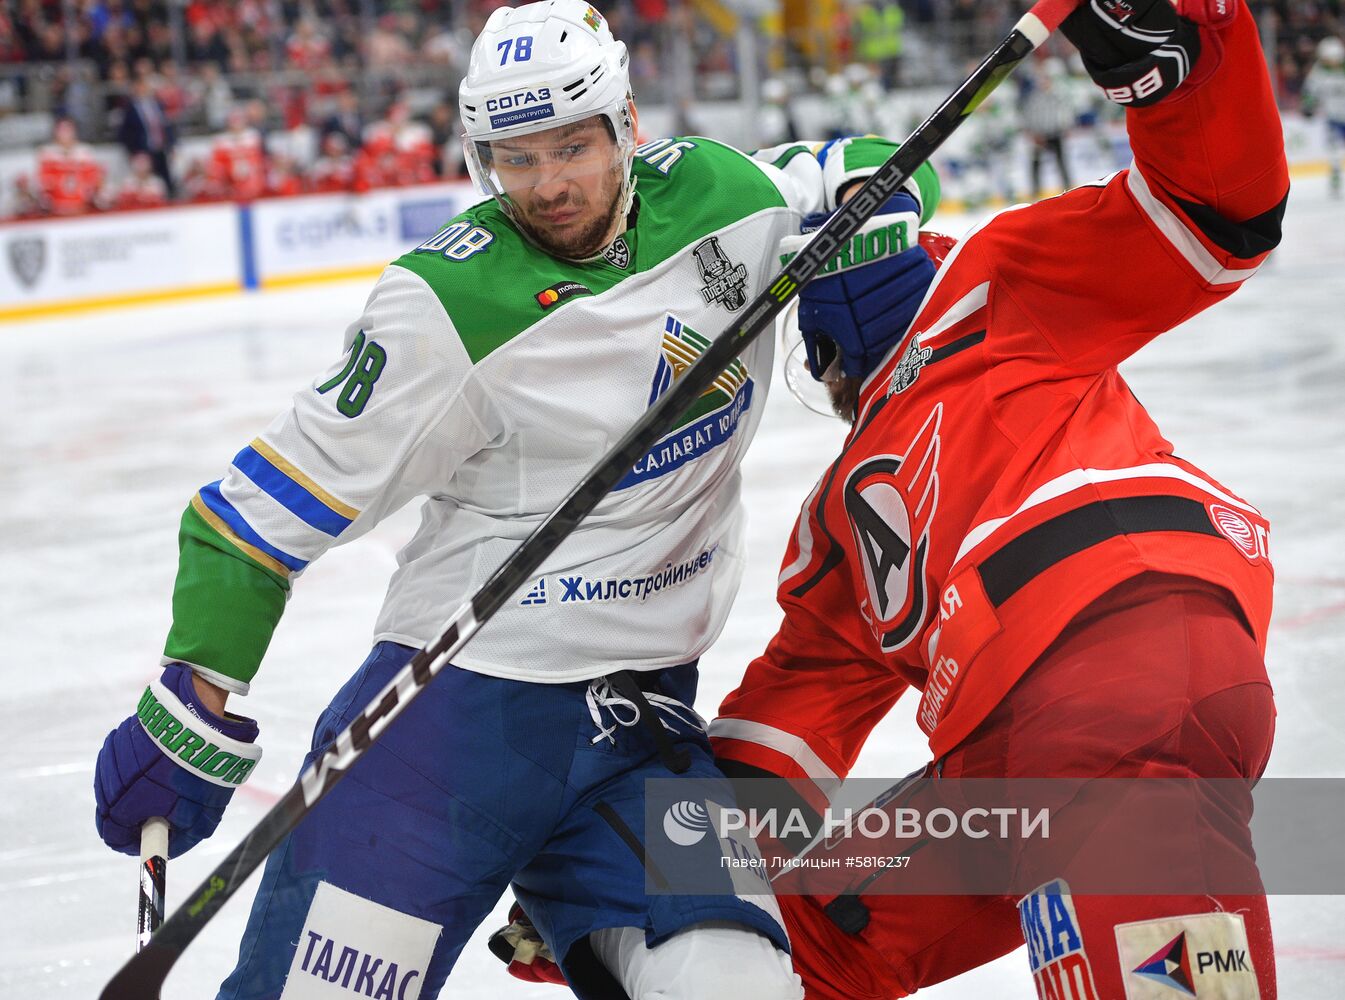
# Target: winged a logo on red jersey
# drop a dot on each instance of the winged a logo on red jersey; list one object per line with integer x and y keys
{"x": 890, "y": 500}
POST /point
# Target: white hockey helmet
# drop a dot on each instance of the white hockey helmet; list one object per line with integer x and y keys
{"x": 1331, "y": 50}
{"x": 539, "y": 67}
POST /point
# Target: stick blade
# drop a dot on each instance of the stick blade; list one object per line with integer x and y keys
{"x": 142, "y": 977}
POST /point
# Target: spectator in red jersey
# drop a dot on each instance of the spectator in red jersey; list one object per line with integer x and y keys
{"x": 327, "y": 82}
{"x": 237, "y": 167}
{"x": 416, "y": 154}
{"x": 170, "y": 91}
{"x": 142, "y": 188}
{"x": 283, "y": 177}
{"x": 334, "y": 170}
{"x": 307, "y": 49}
{"x": 197, "y": 185}
{"x": 11, "y": 44}
{"x": 376, "y": 162}
{"x": 402, "y": 147}
{"x": 68, "y": 177}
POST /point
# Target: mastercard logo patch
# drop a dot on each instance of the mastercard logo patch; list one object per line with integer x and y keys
{"x": 559, "y": 292}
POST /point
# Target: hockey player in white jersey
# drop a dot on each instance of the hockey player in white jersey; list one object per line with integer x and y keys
{"x": 1324, "y": 94}
{"x": 490, "y": 368}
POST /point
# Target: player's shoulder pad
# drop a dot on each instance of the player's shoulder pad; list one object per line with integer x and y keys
{"x": 857, "y": 157}
{"x": 690, "y": 187}
{"x": 704, "y": 176}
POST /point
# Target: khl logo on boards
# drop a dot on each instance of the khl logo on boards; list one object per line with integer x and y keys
{"x": 27, "y": 258}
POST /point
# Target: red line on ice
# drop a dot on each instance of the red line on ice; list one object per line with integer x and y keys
{"x": 1313, "y": 616}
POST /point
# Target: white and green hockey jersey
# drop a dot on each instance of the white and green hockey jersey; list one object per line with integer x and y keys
{"x": 488, "y": 377}
{"x": 1324, "y": 91}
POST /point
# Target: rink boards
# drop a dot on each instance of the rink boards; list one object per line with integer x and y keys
{"x": 125, "y": 258}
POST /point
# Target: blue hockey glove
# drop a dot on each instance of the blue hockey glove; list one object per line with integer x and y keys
{"x": 865, "y": 299}
{"x": 174, "y": 758}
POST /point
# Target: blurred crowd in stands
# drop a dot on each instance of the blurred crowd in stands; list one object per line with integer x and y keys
{"x": 236, "y": 165}
{"x": 199, "y": 100}
{"x": 1295, "y": 30}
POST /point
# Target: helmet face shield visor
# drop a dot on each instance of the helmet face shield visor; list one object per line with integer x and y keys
{"x": 520, "y": 166}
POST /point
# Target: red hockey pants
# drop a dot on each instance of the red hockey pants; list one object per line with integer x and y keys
{"x": 1158, "y": 678}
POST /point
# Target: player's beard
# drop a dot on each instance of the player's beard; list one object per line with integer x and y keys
{"x": 844, "y": 393}
{"x": 588, "y": 240}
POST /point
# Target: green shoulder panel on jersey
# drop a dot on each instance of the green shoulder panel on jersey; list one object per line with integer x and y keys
{"x": 225, "y": 605}
{"x": 690, "y": 187}
{"x": 489, "y": 278}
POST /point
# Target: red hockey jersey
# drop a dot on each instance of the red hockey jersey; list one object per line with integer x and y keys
{"x": 237, "y": 166}
{"x": 69, "y": 177}
{"x": 1001, "y": 475}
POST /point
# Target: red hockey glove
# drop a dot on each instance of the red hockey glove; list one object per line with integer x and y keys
{"x": 522, "y": 949}
{"x": 1140, "y": 51}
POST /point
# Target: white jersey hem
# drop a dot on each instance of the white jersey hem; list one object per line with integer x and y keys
{"x": 584, "y": 673}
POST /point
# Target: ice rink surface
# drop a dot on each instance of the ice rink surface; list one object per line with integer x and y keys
{"x": 113, "y": 420}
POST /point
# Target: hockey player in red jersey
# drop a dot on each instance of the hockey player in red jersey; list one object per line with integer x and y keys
{"x": 1008, "y": 536}
{"x": 142, "y": 187}
{"x": 68, "y": 176}
{"x": 237, "y": 165}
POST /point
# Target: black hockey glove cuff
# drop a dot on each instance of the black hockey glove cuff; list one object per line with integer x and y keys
{"x": 1137, "y": 51}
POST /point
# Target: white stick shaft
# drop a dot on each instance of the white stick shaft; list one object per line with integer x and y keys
{"x": 153, "y": 871}
{"x": 154, "y": 839}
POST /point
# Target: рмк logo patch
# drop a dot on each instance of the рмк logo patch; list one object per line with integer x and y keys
{"x": 1170, "y": 966}
{"x": 1197, "y": 955}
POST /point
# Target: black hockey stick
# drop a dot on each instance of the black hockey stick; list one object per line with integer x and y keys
{"x": 143, "y": 975}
